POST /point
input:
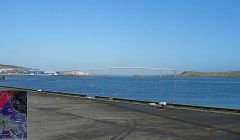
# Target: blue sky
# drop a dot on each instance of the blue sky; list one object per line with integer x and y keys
{"x": 201, "y": 35}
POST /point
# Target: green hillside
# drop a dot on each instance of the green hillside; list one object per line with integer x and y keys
{"x": 13, "y": 68}
{"x": 194, "y": 73}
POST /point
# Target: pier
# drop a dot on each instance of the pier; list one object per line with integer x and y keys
{"x": 58, "y": 117}
{"x": 61, "y": 116}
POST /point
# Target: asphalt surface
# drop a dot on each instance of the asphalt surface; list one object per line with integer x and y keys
{"x": 55, "y": 117}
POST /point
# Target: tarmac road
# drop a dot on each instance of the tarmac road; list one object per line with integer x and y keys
{"x": 55, "y": 117}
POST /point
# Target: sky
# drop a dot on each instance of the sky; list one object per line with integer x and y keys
{"x": 200, "y": 35}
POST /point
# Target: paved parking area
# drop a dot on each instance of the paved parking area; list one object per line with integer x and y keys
{"x": 55, "y": 117}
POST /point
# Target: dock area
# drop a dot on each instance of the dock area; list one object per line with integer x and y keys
{"x": 66, "y": 117}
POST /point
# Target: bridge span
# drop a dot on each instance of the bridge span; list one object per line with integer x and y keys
{"x": 141, "y": 69}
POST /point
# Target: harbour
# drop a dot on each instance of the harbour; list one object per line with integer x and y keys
{"x": 120, "y": 70}
{"x": 204, "y": 91}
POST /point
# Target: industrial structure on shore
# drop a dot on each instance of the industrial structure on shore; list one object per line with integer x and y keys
{"x": 2, "y": 77}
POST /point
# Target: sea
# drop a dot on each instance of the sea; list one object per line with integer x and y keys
{"x": 206, "y": 91}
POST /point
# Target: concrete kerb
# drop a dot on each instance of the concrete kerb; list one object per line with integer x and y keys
{"x": 132, "y": 101}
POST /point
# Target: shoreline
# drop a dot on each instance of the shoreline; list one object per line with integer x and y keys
{"x": 9, "y": 75}
{"x": 125, "y": 100}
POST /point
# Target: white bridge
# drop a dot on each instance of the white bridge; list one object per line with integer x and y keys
{"x": 111, "y": 69}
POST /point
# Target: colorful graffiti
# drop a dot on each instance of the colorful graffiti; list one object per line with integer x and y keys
{"x": 13, "y": 115}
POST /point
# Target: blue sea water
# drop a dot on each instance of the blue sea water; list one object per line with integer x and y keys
{"x": 207, "y": 91}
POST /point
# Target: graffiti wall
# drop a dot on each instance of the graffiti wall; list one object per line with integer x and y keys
{"x": 13, "y": 115}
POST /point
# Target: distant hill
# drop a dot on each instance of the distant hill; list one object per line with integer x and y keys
{"x": 194, "y": 73}
{"x": 12, "y": 68}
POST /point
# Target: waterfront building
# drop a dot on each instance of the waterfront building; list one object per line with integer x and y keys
{"x": 77, "y": 73}
{"x": 34, "y": 72}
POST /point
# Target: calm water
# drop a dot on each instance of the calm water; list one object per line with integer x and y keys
{"x": 209, "y": 91}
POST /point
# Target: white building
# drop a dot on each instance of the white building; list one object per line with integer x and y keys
{"x": 78, "y": 73}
